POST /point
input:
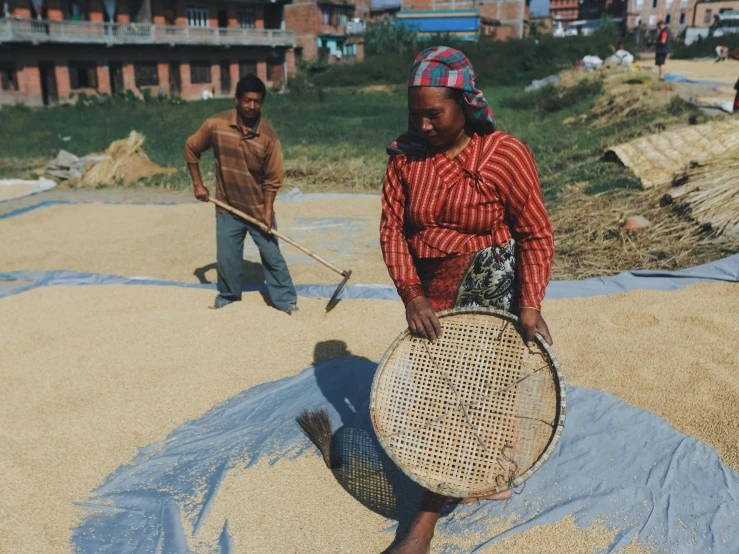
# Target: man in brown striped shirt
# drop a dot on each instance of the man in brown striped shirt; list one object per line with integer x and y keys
{"x": 249, "y": 173}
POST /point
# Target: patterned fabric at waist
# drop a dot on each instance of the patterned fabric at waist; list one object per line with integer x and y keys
{"x": 485, "y": 278}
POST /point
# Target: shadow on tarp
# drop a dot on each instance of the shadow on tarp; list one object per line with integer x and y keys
{"x": 724, "y": 270}
{"x": 616, "y": 465}
{"x": 138, "y": 508}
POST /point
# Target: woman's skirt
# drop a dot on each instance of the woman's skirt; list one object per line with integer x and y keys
{"x": 486, "y": 278}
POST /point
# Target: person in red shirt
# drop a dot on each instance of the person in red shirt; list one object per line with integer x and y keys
{"x": 663, "y": 45}
{"x": 463, "y": 221}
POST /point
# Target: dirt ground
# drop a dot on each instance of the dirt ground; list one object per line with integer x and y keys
{"x": 723, "y": 75}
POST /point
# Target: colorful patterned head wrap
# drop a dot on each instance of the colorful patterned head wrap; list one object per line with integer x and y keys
{"x": 441, "y": 66}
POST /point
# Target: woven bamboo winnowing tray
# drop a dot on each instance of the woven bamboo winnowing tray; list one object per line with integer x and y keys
{"x": 474, "y": 414}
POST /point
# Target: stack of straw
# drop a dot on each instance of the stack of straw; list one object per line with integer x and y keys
{"x": 125, "y": 162}
{"x": 707, "y": 192}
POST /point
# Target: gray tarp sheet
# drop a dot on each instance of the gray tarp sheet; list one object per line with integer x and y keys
{"x": 726, "y": 269}
{"x": 616, "y": 465}
{"x": 668, "y": 488}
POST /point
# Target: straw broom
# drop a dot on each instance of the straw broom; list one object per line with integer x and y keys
{"x": 317, "y": 427}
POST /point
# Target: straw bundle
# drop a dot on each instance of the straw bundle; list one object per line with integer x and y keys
{"x": 125, "y": 162}
{"x": 708, "y": 193}
{"x": 656, "y": 158}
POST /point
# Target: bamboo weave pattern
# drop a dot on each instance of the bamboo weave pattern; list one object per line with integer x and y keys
{"x": 474, "y": 414}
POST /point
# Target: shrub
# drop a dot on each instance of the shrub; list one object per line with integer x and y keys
{"x": 511, "y": 62}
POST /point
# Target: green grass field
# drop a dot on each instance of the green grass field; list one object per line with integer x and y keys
{"x": 331, "y": 140}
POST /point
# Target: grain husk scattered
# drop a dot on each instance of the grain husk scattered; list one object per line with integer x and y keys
{"x": 178, "y": 242}
{"x": 91, "y": 373}
{"x": 590, "y": 239}
{"x": 10, "y": 191}
{"x": 562, "y": 536}
{"x": 673, "y": 353}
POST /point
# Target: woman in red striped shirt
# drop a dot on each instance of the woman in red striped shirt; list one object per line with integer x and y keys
{"x": 463, "y": 220}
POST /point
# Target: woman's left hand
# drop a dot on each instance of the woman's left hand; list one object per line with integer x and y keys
{"x": 532, "y": 323}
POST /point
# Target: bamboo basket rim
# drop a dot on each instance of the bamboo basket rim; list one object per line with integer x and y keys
{"x": 561, "y": 405}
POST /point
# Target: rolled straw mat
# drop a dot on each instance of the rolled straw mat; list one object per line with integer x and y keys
{"x": 475, "y": 413}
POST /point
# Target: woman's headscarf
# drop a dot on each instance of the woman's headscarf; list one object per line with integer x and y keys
{"x": 441, "y": 66}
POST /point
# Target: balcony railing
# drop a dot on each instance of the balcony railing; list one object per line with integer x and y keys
{"x": 355, "y": 27}
{"x": 87, "y": 32}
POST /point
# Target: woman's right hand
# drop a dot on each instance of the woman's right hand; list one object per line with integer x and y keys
{"x": 422, "y": 320}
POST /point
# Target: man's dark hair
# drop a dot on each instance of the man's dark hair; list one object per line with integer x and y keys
{"x": 250, "y": 83}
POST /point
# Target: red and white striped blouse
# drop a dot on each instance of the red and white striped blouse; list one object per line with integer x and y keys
{"x": 435, "y": 207}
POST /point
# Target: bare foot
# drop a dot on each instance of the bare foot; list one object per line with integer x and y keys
{"x": 413, "y": 544}
{"x": 505, "y": 495}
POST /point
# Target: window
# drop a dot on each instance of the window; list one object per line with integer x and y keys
{"x": 707, "y": 17}
{"x": 652, "y": 20}
{"x": 245, "y": 18}
{"x": 8, "y": 76}
{"x": 246, "y": 67}
{"x": 199, "y": 72}
{"x": 682, "y": 19}
{"x": 325, "y": 17}
{"x": 668, "y": 18}
{"x": 684, "y": 3}
{"x": 655, "y": 4}
{"x": 197, "y": 17}
{"x": 639, "y": 5}
{"x": 638, "y": 21}
{"x": 76, "y": 10}
{"x": 668, "y": 5}
{"x": 147, "y": 74}
{"x": 83, "y": 75}
{"x": 342, "y": 19}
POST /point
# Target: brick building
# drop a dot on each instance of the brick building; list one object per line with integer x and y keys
{"x": 644, "y": 14}
{"x": 331, "y": 30}
{"x": 705, "y": 12}
{"x": 500, "y": 19}
{"x": 564, "y": 10}
{"x": 595, "y": 9}
{"x": 51, "y": 48}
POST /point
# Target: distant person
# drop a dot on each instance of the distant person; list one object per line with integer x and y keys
{"x": 622, "y": 56}
{"x": 248, "y": 175}
{"x": 663, "y": 46}
{"x": 722, "y": 52}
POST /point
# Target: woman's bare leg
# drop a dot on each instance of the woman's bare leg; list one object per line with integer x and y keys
{"x": 418, "y": 540}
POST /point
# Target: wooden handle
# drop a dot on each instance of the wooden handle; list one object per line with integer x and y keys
{"x": 276, "y": 233}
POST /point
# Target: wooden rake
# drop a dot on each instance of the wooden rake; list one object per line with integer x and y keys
{"x": 344, "y": 273}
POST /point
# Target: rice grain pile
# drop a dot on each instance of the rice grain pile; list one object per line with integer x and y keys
{"x": 91, "y": 373}
{"x": 178, "y": 242}
{"x": 11, "y": 191}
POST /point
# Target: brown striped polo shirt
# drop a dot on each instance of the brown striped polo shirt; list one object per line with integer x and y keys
{"x": 248, "y": 163}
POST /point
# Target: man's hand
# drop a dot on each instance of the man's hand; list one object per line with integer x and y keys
{"x": 268, "y": 215}
{"x": 201, "y": 193}
{"x": 422, "y": 320}
{"x": 532, "y": 323}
